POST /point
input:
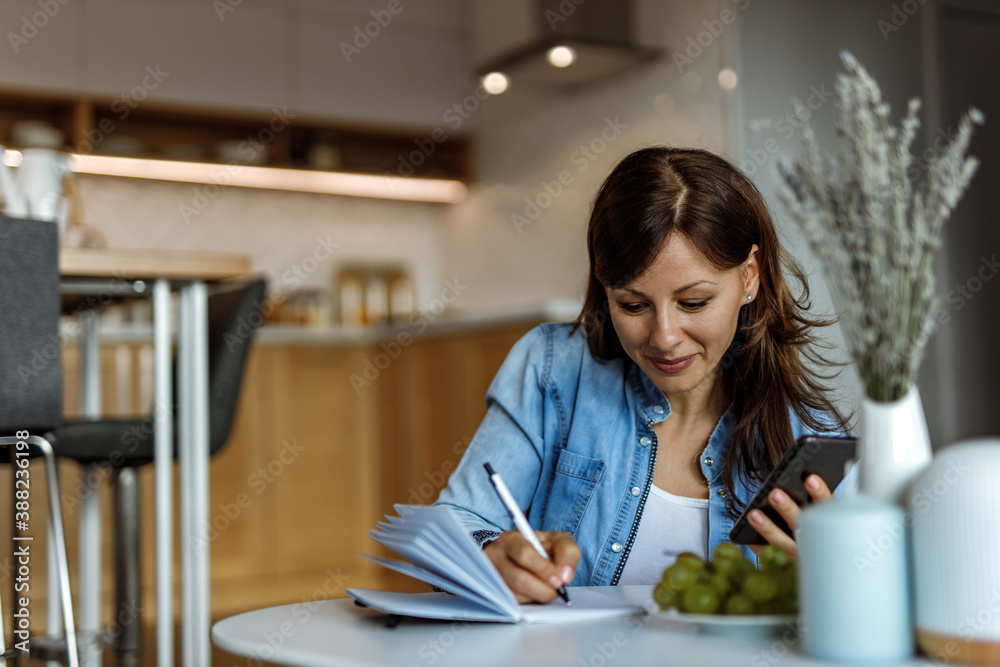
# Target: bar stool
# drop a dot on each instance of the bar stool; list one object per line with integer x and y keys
{"x": 31, "y": 391}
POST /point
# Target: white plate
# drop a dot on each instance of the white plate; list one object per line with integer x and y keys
{"x": 726, "y": 624}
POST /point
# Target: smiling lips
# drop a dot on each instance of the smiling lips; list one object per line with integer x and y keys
{"x": 672, "y": 365}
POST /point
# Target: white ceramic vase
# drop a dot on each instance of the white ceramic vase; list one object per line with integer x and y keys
{"x": 894, "y": 447}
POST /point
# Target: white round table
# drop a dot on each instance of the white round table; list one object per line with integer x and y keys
{"x": 338, "y": 633}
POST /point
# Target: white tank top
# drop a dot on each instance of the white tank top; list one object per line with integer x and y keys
{"x": 669, "y": 526}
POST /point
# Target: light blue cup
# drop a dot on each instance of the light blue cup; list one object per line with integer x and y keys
{"x": 854, "y": 597}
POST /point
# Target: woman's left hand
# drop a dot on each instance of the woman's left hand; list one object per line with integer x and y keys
{"x": 789, "y": 511}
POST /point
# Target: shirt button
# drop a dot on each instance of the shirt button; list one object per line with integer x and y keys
{"x": 721, "y": 493}
{"x": 658, "y": 409}
{"x": 636, "y": 490}
{"x": 617, "y": 547}
{"x": 709, "y": 461}
{"x": 645, "y": 441}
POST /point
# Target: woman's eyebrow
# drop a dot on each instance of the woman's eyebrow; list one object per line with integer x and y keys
{"x": 694, "y": 284}
{"x": 676, "y": 291}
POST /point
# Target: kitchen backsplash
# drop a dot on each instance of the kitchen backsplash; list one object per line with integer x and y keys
{"x": 300, "y": 241}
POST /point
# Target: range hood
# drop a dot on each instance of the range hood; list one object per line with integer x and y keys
{"x": 596, "y": 32}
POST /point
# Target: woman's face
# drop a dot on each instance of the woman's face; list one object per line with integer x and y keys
{"x": 677, "y": 319}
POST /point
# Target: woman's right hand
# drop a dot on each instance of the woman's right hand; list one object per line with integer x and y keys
{"x": 530, "y": 577}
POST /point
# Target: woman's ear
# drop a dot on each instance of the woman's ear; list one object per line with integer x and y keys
{"x": 751, "y": 272}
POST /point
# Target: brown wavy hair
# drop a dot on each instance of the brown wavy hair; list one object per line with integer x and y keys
{"x": 771, "y": 363}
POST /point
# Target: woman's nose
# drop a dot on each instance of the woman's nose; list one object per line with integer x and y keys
{"x": 666, "y": 331}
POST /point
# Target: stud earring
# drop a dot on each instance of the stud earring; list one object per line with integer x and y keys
{"x": 749, "y": 298}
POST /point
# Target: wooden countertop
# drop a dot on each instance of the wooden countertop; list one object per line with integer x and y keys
{"x": 135, "y": 264}
{"x": 424, "y": 325}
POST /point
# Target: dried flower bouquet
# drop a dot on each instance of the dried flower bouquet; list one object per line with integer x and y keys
{"x": 874, "y": 230}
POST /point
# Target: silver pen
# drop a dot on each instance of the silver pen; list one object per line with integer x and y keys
{"x": 520, "y": 522}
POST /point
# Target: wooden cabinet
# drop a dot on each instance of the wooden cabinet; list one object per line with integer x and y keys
{"x": 320, "y": 459}
{"x": 228, "y": 54}
{"x": 279, "y": 137}
{"x": 333, "y": 59}
{"x": 433, "y": 398}
{"x": 294, "y": 493}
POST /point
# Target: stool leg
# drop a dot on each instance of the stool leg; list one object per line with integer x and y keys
{"x": 12, "y": 660}
{"x": 88, "y": 591}
{"x": 59, "y": 544}
{"x": 58, "y": 540}
{"x": 128, "y": 615}
{"x": 3, "y": 641}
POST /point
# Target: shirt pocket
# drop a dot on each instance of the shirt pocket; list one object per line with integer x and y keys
{"x": 576, "y": 477}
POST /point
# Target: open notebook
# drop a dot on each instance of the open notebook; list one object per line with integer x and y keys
{"x": 441, "y": 553}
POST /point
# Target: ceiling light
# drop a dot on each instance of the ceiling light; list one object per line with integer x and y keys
{"x": 269, "y": 178}
{"x": 561, "y": 56}
{"x": 495, "y": 83}
{"x": 727, "y": 79}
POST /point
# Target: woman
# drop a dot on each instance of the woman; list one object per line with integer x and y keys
{"x": 642, "y": 429}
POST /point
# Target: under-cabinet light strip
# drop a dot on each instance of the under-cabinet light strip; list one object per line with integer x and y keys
{"x": 296, "y": 180}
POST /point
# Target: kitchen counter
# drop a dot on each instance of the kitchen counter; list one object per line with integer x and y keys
{"x": 421, "y": 325}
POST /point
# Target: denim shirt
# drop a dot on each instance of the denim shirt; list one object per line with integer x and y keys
{"x": 572, "y": 436}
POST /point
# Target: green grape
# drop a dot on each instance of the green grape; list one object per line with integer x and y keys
{"x": 760, "y": 587}
{"x": 700, "y": 599}
{"x": 728, "y": 566}
{"x": 738, "y": 605}
{"x": 720, "y": 583}
{"x": 773, "y": 557}
{"x": 679, "y": 576}
{"x": 727, "y": 550}
{"x": 734, "y": 568}
{"x": 690, "y": 559}
{"x": 730, "y": 583}
{"x": 787, "y": 586}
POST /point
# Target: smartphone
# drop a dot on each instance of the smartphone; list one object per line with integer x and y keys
{"x": 826, "y": 456}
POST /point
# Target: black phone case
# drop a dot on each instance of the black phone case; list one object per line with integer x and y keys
{"x": 826, "y": 456}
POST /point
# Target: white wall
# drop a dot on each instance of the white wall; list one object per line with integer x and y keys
{"x": 958, "y": 378}
{"x": 789, "y": 48}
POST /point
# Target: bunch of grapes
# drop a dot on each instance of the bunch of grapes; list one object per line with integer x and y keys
{"x": 729, "y": 583}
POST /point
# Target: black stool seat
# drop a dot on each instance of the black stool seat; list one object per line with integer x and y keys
{"x": 233, "y": 315}
{"x": 119, "y": 442}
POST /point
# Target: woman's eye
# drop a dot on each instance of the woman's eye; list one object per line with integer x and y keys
{"x": 694, "y": 305}
{"x": 630, "y": 307}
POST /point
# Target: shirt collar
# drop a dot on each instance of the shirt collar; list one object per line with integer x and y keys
{"x": 654, "y": 407}
{"x": 652, "y": 404}
{"x": 718, "y": 442}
